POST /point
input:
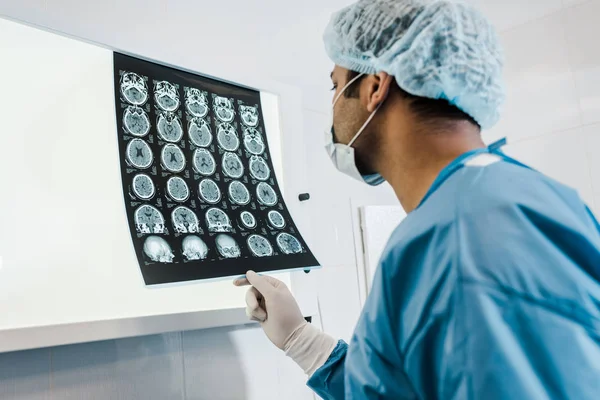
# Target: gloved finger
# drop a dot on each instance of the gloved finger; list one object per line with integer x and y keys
{"x": 253, "y": 298}
{"x": 241, "y": 282}
{"x": 262, "y": 283}
{"x": 259, "y": 314}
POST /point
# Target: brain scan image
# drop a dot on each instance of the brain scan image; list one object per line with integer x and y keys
{"x": 169, "y": 127}
{"x": 149, "y": 220}
{"x": 199, "y": 132}
{"x": 227, "y": 246}
{"x": 232, "y": 165}
{"x": 143, "y": 187}
{"x": 247, "y": 220}
{"x": 139, "y": 154}
{"x": 259, "y": 246}
{"x": 253, "y": 141}
{"x": 266, "y": 195}
{"x": 184, "y": 220}
{"x": 177, "y": 189}
{"x": 166, "y": 96}
{"x": 193, "y": 248}
{"x": 249, "y": 115}
{"x": 223, "y": 108}
{"x": 259, "y": 168}
{"x": 276, "y": 220}
{"x": 196, "y": 102}
{"x": 204, "y": 163}
{"x": 238, "y": 193}
{"x": 136, "y": 121}
{"x": 134, "y": 88}
{"x": 209, "y": 191}
{"x": 288, "y": 244}
{"x": 172, "y": 158}
{"x": 158, "y": 250}
{"x": 227, "y": 137}
{"x": 218, "y": 221}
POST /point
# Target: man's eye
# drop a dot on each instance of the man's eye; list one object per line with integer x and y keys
{"x": 334, "y": 88}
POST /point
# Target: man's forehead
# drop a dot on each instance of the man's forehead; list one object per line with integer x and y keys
{"x": 338, "y": 72}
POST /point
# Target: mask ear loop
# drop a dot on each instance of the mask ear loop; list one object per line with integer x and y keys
{"x": 364, "y": 125}
{"x": 346, "y": 87}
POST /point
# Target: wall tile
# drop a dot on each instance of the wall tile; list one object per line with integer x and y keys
{"x": 339, "y": 301}
{"x": 561, "y": 156}
{"x": 508, "y": 14}
{"x": 148, "y": 367}
{"x": 592, "y": 145}
{"x": 292, "y": 381}
{"x": 570, "y": 3}
{"x": 542, "y": 97}
{"x": 582, "y": 38}
{"x": 230, "y": 363}
{"x": 25, "y": 375}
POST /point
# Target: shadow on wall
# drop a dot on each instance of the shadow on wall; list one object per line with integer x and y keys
{"x": 204, "y": 365}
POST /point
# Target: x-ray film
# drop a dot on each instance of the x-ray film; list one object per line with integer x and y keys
{"x": 201, "y": 196}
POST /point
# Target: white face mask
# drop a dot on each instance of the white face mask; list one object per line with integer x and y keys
{"x": 342, "y": 155}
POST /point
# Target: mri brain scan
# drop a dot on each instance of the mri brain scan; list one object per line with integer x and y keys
{"x": 223, "y": 108}
{"x": 253, "y": 141}
{"x": 247, "y": 220}
{"x": 209, "y": 191}
{"x": 259, "y": 246}
{"x": 139, "y": 154}
{"x": 199, "y": 132}
{"x": 136, "y": 121}
{"x": 249, "y": 115}
{"x": 227, "y": 246}
{"x": 259, "y": 168}
{"x": 149, "y": 220}
{"x": 169, "y": 127}
{"x": 238, "y": 193}
{"x": 177, "y": 189}
{"x": 232, "y": 166}
{"x": 158, "y": 250}
{"x": 218, "y": 221}
{"x": 276, "y": 220}
{"x": 204, "y": 163}
{"x": 172, "y": 158}
{"x": 266, "y": 195}
{"x": 184, "y": 220}
{"x": 196, "y": 102}
{"x": 193, "y": 248}
{"x": 166, "y": 96}
{"x": 288, "y": 244}
{"x": 134, "y": 88}
{"x": 143, "y": 187}
{"x": 227, "y": 137}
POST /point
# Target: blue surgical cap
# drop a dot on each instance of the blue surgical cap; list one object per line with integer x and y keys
{"x": 434, "y": 49}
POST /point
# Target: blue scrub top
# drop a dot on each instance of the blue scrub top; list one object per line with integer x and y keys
{"x": 490, "y": 289}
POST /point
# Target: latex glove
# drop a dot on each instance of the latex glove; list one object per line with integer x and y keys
{"x": 271, "y": 303}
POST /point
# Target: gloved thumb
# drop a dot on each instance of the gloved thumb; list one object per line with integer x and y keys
{"x": 261, "y": 283}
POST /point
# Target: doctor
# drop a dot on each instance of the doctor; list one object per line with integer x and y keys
{"x": 490, "y": 288}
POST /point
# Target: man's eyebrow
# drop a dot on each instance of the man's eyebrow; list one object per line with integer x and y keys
{"x": 331, "y": 75}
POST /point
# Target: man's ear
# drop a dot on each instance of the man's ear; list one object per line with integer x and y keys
{"x": 378, "y": 89}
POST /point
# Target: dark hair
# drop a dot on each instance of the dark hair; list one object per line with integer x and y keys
{"x": 440, "y": 109}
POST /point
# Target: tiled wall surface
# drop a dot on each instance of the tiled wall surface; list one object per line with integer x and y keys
{"x": 215, "y": 364}
{"x": 552, "y": 120}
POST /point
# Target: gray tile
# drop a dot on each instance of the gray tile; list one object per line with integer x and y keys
{"x": 230, "y": 363}
{"x": 149, "y": 367}
{"x": 212, "y": 367}
{"x": 25, "y": 375}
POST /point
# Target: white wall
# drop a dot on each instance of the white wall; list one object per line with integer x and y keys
{"x": 551, "y": 120}
{"x": 552, "y": 116}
